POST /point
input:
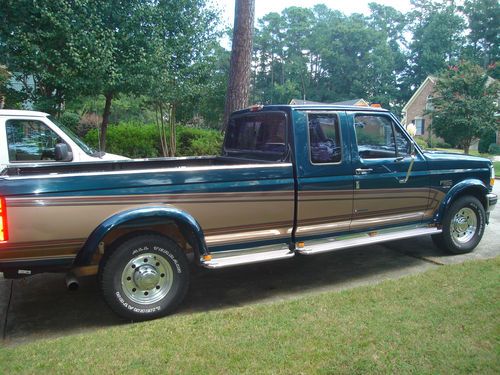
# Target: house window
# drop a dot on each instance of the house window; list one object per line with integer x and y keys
{"x": 420, "y": 125}
{"x": 429, "y": 106}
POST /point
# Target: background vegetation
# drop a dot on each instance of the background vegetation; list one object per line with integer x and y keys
{"x": 161, "y": 62}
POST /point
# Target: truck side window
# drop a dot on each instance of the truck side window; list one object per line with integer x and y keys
{"x": 259, "y": 135}
{"x": 324, "y": 138}
{"x": 375, "y": 136}
{"x": 30, "y": 140}
{"x": 402, "y": 143}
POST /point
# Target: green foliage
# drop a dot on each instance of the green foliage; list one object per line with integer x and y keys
{"x": 70, "y": 120}
{"x": 421, "y": 142}
{"x": 494, "y": 149}
{"x": 484, "y": 25}
{"x": 443, "y": 145}
{"x": 193, "y": 141}
{"x": 464, "y": 105}
{"x": 143, "y": 141}
{"x": 486, "y": 140}
{"x": 438, "y": 39}
{"x": 323, "y": 55}
{"x": 129, "y": 139}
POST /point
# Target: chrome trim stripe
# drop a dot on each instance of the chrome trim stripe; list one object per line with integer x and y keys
{"x": 48, "y": 257}
{"x": 146, "y": 171}
{"x": 41, "y": 244}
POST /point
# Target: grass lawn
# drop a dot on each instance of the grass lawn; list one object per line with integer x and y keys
{"x": 496, "y": 164}
{"x": 443, "y": 321}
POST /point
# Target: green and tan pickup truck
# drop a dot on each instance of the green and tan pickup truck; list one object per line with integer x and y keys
{"x": 290, "y": 181}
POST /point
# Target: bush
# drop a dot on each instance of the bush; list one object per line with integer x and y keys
{"x": 143, "y": 141}
{"x": 70, "y": 120}
{"x": 196, "y": 141}
{"x": 129, "y": 139}
{"x": 443, "y": 145}
{"x": 494, "y": 149}
{"x": 421, "y": 142}
{"x": 485, "y": 142}
{"x": 88, "y": 122}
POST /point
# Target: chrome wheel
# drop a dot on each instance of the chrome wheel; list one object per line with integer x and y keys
{"x": 463, "y": 225}
{"x": 147, "y": 278}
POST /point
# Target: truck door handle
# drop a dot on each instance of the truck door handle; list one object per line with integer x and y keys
{"x": 363, "y": 170}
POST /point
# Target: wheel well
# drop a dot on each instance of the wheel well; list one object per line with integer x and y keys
{"x": 178, "y": 232}
{"x": 474, "y": 191}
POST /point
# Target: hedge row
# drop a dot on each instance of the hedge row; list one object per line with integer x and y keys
{"x": 143, "y": 141}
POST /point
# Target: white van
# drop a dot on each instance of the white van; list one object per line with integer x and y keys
{"x": 37, "y": 137}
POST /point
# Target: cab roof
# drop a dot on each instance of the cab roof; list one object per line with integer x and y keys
{"x": 21, "y": 113}
{"x": 311, "y": 107}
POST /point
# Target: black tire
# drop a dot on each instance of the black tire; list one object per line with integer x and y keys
{"x": 146, "y": 277}
{"x": 468, "y": 209}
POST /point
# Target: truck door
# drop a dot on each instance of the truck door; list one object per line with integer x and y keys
{"x": 324, "y": 174}
{"x": 390, "y": 187}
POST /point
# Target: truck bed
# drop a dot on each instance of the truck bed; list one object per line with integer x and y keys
{"x": 55, "y": 168}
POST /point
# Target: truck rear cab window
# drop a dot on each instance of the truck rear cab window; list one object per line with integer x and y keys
{"x": 260, "y": 135}
{"x": 30, "y": 140}
{"x": 324, "y": 138}
{"x": 378, "y": 137}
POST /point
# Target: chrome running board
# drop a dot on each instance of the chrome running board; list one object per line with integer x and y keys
{"x": 277, "y": 252}
{"x": 367, "y": 238}
{"x": 236, "y": 258}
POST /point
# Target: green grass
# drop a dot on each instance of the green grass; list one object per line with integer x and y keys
{"x": 442, "y": 321}
{"x": 461, "y": 151}
{"x": 496, "y": 164}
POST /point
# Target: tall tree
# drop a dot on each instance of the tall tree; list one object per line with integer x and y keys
{"x": 238, "y": 90}
{"x": 484, "y": 24}
{"x": 464, "y": 104}
{"x": 438, "y": 39}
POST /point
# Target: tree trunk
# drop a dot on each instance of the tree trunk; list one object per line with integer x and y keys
{"x": 241, "y": 58}
{"x": 467, "y": 147}
{"x": 105, "y": 121}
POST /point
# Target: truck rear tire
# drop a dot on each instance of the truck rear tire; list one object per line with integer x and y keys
{"x": 145, "y": 278}
{"x": 463, "y": 226}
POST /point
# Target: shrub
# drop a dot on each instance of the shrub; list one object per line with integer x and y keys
{"x": 196, "y": 141}
{"x": 486, "y": 140}
{"x": 70, "y": 120}
{"x": 443, "y": 145}
{"x": 494, "y": 149}
{"x": 421, "y": 142}
{"x": 143, "y": 141}
{"x": 88, "y": 122}
{"x": 129, "y": 139}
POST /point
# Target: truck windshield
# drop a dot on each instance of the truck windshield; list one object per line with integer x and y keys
{"x": 258, "y": 135}
{"x": 87, "y": 149}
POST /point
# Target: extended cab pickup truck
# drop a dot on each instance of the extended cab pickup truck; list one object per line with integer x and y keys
{"x": 36, "y": 137}
{"x": 291, "y": 180}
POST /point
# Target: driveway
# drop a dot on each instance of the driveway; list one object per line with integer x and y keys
{"x": 41, "y": 306}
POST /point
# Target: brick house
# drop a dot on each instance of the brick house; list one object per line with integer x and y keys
{"x": 421, "y": 101}
{"x": 414, "y": 111}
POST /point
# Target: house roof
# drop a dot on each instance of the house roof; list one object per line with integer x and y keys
{"x": 429, "y": 79}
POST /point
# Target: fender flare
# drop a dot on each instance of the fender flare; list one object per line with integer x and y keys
{"x": 153, "y": 215}
{"x": 470, "y": 183}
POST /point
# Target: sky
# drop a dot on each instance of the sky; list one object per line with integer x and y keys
{"x": 262, "y": 7}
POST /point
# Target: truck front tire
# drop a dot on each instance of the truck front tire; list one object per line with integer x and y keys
{"x": 145, "y": 278}
{"x": 463, "y": 226}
